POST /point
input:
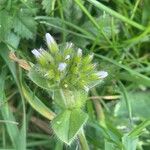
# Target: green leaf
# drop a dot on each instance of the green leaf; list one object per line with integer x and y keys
{"x": 5, "y": 24}
{"x": 104, "y": 22}
{"x": 72, "y": 11}
{"x": 140, "y": 105}
{"x": 68, "y": 124}
{"x": 48, "y": 5}
{"x": 24, "y": 25}
{"x": 109, "y": 146}
{"x": 138, "y": 130}
{"x": 13, "y": 41}
{"x": 129, "y": 143}
{"x": 12, "y": 129}
{"x": 145, "y": 12}
{"x": 36, "y": 103}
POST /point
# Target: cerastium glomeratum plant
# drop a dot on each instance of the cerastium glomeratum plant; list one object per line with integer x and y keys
{"x": 65, "y": 72}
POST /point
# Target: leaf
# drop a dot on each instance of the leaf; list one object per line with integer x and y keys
{"x": 6, "y": 113}
{"x": 21, "y": 136}
{"x": 72, "y": 11}
{"x": 129, "y": 143}
{"x": 138, "y": 130}
{"x": 48, "y": 5}
{"x": 104, "y": 22}
{"x": 140, "y": 105}
{"x": 13, "y": 41}
{"x": 36, "y": 103}
{"x": 68, "y": 124}
{"x": 109, "y": 146}
{"x": 5, "y": 24}
{"x": 24, "y": 25}
{"x": 145, "y": 12}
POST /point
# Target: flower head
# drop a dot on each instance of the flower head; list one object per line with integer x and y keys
{"x": 80, "y": 74}
{"x": 49, "y": 39}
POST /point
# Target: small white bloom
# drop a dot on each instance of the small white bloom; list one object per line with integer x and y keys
{"x": 67, "y": 57}
{"x": 86, "y": 88}
{"x": 62, "y": 66}
{"x": 79, "y": 52}
{"x": 69, "y": 45}
{"x": 102, "y": 74}
{"x": 91, "y": 56}
{"x": 36, "y": 53}
{"x": 41, "y": 50}
{"x": 49, "y": 39}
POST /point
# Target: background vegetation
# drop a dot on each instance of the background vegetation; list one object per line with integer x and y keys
{"x": 117, "y": 32}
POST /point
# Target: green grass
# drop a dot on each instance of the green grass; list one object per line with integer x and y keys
{"x": 117, "y": 32}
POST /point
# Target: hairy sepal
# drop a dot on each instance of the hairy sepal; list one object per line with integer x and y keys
{"x": 40, "y": 80}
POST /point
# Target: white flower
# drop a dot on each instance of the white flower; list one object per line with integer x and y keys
{"x": 86, "y": 88}
{"x": 102, "y": 74}
{"x": 91, "y": 56}
{"x": 49, "y": 39}
{"x": 62, "y": 66}
{"x": 67, "y": 57}
{"x": 79, "y": 52}
{"x": 36, "y": 53}
{"x": 69, "y": 45}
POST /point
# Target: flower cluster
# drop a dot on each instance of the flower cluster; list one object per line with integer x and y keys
{"x": 66, "y": 67}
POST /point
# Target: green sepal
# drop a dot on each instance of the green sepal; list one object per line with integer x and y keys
{"x": 45, "y": 58}
{"x": 39, "y": 80}
{"x": 53, "y": 47}
{"x": 68, "y": 124}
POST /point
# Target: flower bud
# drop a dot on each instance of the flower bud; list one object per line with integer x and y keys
{"x": 62, "y": 66}
{"x": 79, "y": 52}
{"x": 67, "y": 57}
{"x": 102, "y": 74}
{"x": 36, "y": 53}
{"x": 69, "y": 45}
{"x": 52, "y": 45}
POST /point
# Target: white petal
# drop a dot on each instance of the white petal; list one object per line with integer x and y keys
{"x": 79, "y": 52}
{"x": 86, "y": 88}
{"x": 102, "y": 74}
{"x": 49, "y": 39}
{"x": 91, "y": 56}
{"x": 62, "y": 66}
{"x": 67, "y": 57}
{"x": 69, "y": 45}
{"x": 36, "y": 53}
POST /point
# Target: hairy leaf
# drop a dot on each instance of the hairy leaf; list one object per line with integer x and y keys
{"x": 24, "y": 25}
{"x": 68, "y": 123}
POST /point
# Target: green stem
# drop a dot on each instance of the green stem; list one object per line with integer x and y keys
{"x": 134, "y": 9}
{"x": 83, "y": 141}
{"x": 115, "y": 14}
